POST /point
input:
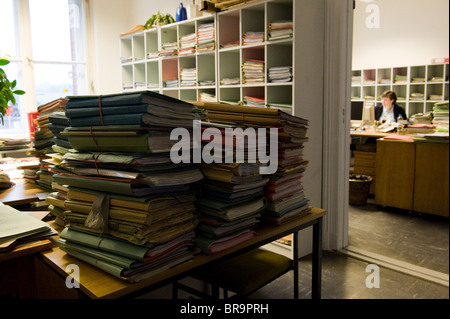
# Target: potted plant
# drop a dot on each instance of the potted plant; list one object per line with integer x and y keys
{"x": 159, "y": 19}
{"x": 7, "y": 91}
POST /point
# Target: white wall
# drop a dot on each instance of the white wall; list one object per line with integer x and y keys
{"x": 412, "y": 32}
{"x": 110, "y": 18}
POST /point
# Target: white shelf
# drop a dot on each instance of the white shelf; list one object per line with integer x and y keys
{"x": 229, "y": 27}
{"x": 419, "y": 79}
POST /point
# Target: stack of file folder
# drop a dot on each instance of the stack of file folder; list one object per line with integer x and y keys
{"x": 45, "y": 139}
{"x": 249, "y": 38}
{"x": 253, "y": 71}
{"x": 280, "y": 74}
{"x": 284, "y": 191}
{"x": 206, "y": 37}
{"x": 232, "y": 197}
{"x": 441, "y": 116}
{"x": 188, "y": 77}
{"x": 122, "y": 185}
{"x": 187, "y": 44}
{"x": 280, "y": 30}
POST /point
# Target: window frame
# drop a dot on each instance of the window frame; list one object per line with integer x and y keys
{"x": 26, "y": 63}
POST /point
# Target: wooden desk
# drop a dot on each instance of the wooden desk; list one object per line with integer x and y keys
{"x": 22, "y": 193}
{"x": 368, "y": 133}
{"x": 95, "y": 283}
{"x": 17, "y": 269}
{"x": 413, "y": 176}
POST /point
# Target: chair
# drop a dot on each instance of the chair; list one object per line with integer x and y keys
{"x": 242, "y": 275}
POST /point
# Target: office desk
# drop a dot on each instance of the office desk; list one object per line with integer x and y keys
{"x": 17, "y": 269}
{"x": 95, "y": 283}
{"x": 22, "y": 193}
{"x": 368, "y": 133}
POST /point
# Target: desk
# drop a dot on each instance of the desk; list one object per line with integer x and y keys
{"x": 95, "y": 283}
{"x": 413, "y": 176}
{"x": 368, "y": 133}
{"x": 17, "y": 271}
{"x": 22, "y": 193}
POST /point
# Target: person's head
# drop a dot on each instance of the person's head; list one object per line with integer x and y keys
{"x": 388, "y": 98}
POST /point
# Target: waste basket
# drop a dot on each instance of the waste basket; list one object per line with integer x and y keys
{"x": 359, "y": 189}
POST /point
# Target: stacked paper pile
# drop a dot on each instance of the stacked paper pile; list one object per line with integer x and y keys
{"x": 253, "y": 71}
{"x": 172, "y": 83}
{"x": 207, "y": 97}
{"x": 122, "y": 186}
{"x": 187, "y": 44}
{"x": 417, "y": 96}
{"x": 44, "y": 140}
{"x": 280, "y": 30}
{"x": 280, "y": 74}
{"x": 230, "y": 81}
{"x": 232, "y": 197}
{"x": 43, "y": 137}
{"x": 7, "y": 144}
{"x": 254, "y": 101}
{"x": 440, "y": 116}
{"x": 284, "y": 191}
{"x": 206, "y": 37}
{"x": 422, "y": 118}
{"x": 188, "y": 77}
{"x": 168, "y": 49}
{"x": 249, "y": 38}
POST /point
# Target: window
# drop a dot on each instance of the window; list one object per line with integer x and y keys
{"x": 46, "y": 44}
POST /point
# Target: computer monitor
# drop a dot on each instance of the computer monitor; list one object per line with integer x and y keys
{"x": 368, "y": 115}
{"x": 357, "y": 108}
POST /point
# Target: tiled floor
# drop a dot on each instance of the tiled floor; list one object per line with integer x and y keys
{"x": 415, "y": 239}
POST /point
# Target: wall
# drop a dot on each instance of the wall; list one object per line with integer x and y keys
{"x": 109, "y": 18}
{"x": 411, "y": 32}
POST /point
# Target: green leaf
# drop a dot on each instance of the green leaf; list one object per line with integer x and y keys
{"x": 13, "y": 84}
{"x": 19, "y": 92}
{"x": 4, "y": 61}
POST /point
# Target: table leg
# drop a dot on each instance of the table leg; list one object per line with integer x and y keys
{"x": 317, "y": 260}
{"x": 295, "y": 265}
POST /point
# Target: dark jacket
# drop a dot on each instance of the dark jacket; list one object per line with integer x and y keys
{"x": 397, "y": 111}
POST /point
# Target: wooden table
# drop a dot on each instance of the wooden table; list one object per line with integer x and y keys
{"x": 368, "y": 133}
{"x": 95, "y": 283}
{"x": 22, "y": 193}
{"x": 17, "y": 269}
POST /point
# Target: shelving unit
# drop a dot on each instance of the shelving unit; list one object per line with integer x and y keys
{"x": 418, "y": 88}
{"x": 143, "y": 68}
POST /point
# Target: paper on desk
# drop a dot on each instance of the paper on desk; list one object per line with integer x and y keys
{"x": 14, "y": 224}
{"x": 399, "y": 137}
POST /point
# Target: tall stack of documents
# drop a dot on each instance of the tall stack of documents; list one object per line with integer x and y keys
{"x": 253, "y": 71}
{"x": 284, "y": 191}
{"x": 280, "y": 30}
{"x": 168, "y": 49}
{"x": 44, "y": 140}
{"x": 122, "y": 185}
{"x": 440, "y": 116}
{"x": 206, "y": 37}
{"x": 249, "y": 38}
{"x": 187, "y": 44}
{"x": 231, "y": 199}
{"x": 188, "y": 77}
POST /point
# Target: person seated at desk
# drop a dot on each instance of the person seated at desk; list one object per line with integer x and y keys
{"x": 388, "y": 111}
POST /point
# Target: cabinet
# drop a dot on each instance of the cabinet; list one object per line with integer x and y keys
{"x": 364, "y": 164}
{"x": 413, "y": 176}
{"x": 216, "y": 71}
{"x": 417, "y": 87}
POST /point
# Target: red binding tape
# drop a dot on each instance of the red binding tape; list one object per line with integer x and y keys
{"x": 100, "y": 109}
